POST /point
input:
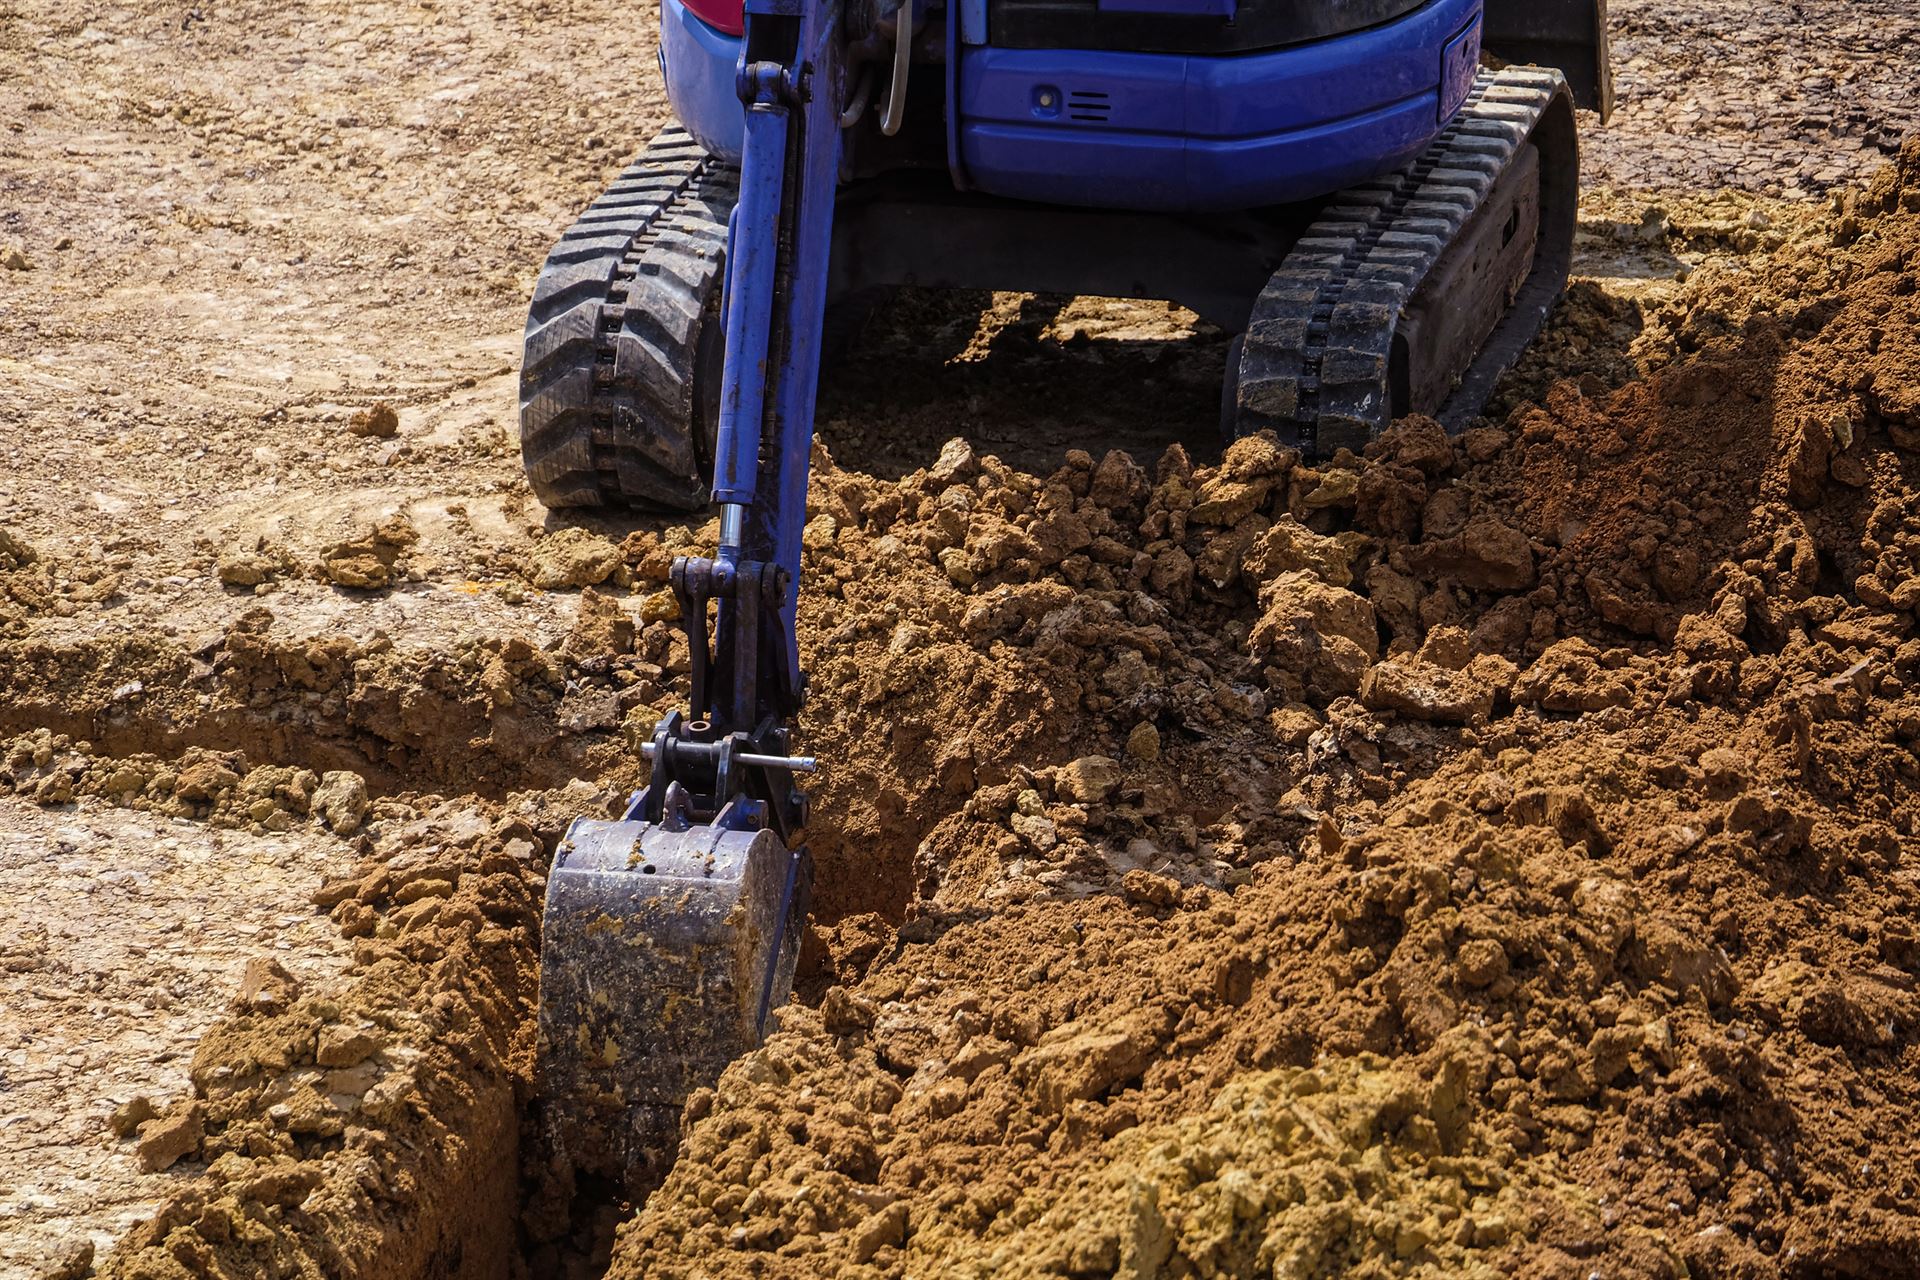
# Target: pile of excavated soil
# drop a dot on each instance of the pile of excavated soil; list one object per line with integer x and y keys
{"x": 1490, "y": 854}
{"x": 367, "y": 1127}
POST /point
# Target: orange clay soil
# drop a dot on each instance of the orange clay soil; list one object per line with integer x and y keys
{"x": 1569, "y": 767}
{"x": 1487, "y": 856}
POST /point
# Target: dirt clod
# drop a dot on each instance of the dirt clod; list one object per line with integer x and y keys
{"x": 1149, "y": 889}
{"x": 74, "y": 1263}
{"x": 380, "y": 421}
{"x": 131, "y": 1114}
{"x": 1088, "y": 780}
{"x": 572, "y": 558}
{"x": 265, "y": 985}
{"x": 347, "y": 1046}
{"x": 373, "y": 560}
{"x": 249, "y": 565}
{"x": 173, "y": 1135}
{"x": 340, "y": 801}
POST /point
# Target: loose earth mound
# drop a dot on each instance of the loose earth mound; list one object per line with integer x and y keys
{"x": 1566, "y": 772}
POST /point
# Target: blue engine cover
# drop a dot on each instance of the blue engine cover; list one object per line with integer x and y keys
{"x": 1179, "y": 132}
{"x": 1147, "y": 131}
{"x": 698, "y": 63}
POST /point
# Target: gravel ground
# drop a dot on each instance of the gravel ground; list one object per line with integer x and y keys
{"x": 1786, "y": 97}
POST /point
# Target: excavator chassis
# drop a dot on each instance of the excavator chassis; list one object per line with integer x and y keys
{"x": 1409, "y": 293}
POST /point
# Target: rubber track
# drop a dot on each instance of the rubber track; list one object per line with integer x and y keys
{"x": 611, "y": 413}
{"x": 1315, "y": 363}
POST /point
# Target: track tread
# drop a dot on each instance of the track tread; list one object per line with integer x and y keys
{"x": 1315, "y": 365}
{"x": 608, "y": 401}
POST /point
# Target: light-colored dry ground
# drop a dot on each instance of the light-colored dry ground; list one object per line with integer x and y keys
{"x": 1782, "y": 97}
{"x": 125, "y": 935}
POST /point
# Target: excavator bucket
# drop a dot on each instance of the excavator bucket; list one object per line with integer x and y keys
{"x": 661, "y": 953}
{"x": 1568, "y": 34}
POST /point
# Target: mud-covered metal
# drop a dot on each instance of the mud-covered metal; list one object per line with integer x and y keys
{"x": 661, "y": 952}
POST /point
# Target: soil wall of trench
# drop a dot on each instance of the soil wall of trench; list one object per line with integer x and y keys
{"x": 1487, "y": 856}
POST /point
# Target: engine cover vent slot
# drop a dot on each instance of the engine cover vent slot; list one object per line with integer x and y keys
{"x": 1092, "y": 105}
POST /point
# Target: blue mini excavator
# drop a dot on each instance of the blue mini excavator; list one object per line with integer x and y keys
{"x": 1382, "y": 220}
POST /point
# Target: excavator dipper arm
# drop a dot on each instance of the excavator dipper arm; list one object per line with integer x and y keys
{"x": 671, "y": 933}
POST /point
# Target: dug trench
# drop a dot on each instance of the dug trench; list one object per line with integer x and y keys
{"x": 1489, "y": 855}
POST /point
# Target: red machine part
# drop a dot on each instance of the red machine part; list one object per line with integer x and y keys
{"x": 724, "y": 15}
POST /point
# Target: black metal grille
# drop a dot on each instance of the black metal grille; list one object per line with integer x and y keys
{"x": 1258, "y": 24}
{"x": 1091, "y": 105}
